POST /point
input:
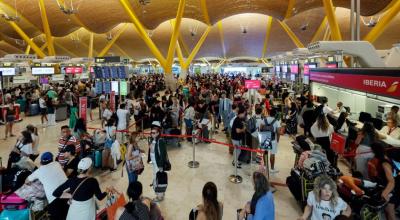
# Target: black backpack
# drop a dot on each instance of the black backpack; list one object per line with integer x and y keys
{"x": 252, "y": 124}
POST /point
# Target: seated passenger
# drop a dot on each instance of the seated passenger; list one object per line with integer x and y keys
{"x": 137, "y": 207}
{"x": 391, "y": 129}
{"x": 385, "y": 171}
{"x": 261, "y": 205}
{"x": 71, "y": 167}
{"x": 324, "y": 202}
{"x": 51, "y": 175}
{"x": 211, "y": 209}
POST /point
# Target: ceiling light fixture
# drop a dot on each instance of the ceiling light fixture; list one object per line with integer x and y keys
{"x": 373, "y": 20}
{"x": 67, "y": 10}
{"x": 144, "y": 2}
{"x": 10, "y": 18}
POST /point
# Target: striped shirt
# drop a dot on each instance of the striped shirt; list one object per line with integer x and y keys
{"x": 62, "y": 143}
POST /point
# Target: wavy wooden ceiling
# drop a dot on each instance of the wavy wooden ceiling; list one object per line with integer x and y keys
{"x": 105, "y": 17}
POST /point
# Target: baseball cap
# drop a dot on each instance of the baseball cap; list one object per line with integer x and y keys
{"x": 46, "y": 157}
{"x": 85, "y": 163}
{"x": 156, "y": 124}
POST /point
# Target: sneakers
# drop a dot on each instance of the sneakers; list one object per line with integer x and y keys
{"x": 274, "y": 171}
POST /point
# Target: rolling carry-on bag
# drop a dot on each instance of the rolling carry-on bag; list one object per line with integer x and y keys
{"x": 161, "y": 182}
{"x": 12, "y": 201}
{"x": 97, "y": 158}
{"x": 34, "y": 109}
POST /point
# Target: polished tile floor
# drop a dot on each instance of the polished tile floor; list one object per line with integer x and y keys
{"x": 185, "y": 184}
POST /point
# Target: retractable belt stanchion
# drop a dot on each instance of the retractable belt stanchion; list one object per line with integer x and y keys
{"x": 194, "y": 163}
{"x": 235, "y": 178}
{"x": 142, "y": 127}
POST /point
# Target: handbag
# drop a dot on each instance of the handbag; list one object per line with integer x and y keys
{"x": 23, "y": 214}
{"x": 72, "y": 195}
{"x": 135, "y": 165}
{"x": 113, "y": 203}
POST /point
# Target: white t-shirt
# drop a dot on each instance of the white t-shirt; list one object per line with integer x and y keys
{"x": 122, "y": 114}
{"x": 42, "y": 103}
{"x": 319, "y": 133}
{"x": 26, "y": 148}
{"x": 107, "y": 114}
{"x": 51, "y": 176}
{"x": 323, "y": 209}
{"x": 35, "y": 144}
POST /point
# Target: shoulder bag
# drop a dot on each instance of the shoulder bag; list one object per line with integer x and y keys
{"x": 72, "y": 195}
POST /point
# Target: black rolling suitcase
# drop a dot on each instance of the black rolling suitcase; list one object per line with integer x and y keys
{"x": 161, "y": 182}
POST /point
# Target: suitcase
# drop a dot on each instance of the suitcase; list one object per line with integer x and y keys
{"x": 61, "y": 113}
{"x": 12, "y": 202}
{"x": 245, "y": 156}
{"x": 34, "y": 109}
{"x": 97, "y": 158}
{"x": 161, "y": 182}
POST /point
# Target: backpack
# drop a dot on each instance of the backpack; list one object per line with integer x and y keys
{"x": 140, "y": 211}
{"x": 269, "y": 127}
{"x": 252, "y": 124}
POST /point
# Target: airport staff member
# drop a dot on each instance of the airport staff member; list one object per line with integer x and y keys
{"x": 391, "y": 129}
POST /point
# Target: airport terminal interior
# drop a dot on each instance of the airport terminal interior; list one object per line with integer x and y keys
{"x": 199, "y": 109}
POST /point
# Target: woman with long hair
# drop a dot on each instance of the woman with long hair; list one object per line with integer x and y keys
{"x": 35, "y": 141}
{"x": 291, "y": 119}
{"x": 23, "y": 148}
{"x": 342, "y": 123}
{"x": 134, "y": 163}
{"x": 211, "y": 209}
{"x": 324, "y": 201}
{"x": 261, "y": 205}
{"x": 365, "y": 138}
{"x": 322, "y": 131}
{"x": 385, "y": 178}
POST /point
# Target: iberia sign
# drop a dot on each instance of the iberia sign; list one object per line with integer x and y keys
{"x": 380, "y": 85}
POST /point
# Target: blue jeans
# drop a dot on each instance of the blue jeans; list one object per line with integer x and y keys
{"x": 132, "y": 177}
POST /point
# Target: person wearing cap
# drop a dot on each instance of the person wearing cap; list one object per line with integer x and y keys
{"x": 81, "y": 191}
{"x": 51, "y": 175}
{"x": 158, "y": 156}
{"x": 71, "y": 167}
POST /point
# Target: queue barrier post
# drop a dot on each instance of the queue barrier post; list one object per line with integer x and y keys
{"x": 142, "y": 127}
{"x": 193, "y": 163}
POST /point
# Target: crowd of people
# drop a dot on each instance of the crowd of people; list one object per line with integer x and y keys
{"x": 202, "y": 105}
